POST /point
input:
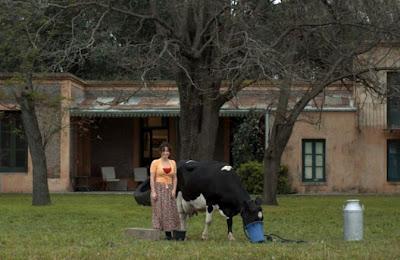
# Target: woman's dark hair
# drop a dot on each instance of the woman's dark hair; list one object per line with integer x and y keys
{"x": 165, "y": 145}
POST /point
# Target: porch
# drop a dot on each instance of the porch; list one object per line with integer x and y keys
{"x": 121, "y": 125}
{"x": 126, "y": 144}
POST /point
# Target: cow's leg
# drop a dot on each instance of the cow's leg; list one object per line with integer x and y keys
{"x": 209, "y": 212}
{"x": 182, "y": 215}
{"x": 229, "y": 222}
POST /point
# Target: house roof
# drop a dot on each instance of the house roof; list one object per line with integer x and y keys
{"x": 160, "y": 98}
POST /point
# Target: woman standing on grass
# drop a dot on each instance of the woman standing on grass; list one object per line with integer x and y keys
{"x": 163, "y": 181}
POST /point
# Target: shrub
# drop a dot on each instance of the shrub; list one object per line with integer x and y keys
{"x": 251, "y": 174}
{"x": 248, "y": 140}
{"x": 283, "y": 181}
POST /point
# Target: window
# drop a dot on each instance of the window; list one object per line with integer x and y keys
{"x": 393, "y": 160}
{"x": 313, "y": 152}
{"x": 13, "y": 147}
{"x": 393, "y": 100}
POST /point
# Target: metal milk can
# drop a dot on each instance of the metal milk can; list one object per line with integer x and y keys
{"x": 353, "y": 220}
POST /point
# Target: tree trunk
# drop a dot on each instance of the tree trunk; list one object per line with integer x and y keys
{"x": 190, "y": 112}
{"x": 271, "y": 169}
{"x": 280, "y": 135}
{"x": 40, "y": 188}
{"x": 198, "y": 122}
{"x": 209, "y": 130}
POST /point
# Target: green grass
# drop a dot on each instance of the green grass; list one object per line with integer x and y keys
{"x": 91, "y": 227}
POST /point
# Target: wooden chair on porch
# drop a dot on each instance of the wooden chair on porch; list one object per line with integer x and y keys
{"x": 109, "y": 178}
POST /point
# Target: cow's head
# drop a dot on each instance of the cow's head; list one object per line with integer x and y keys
{"x": 252, "y": 211}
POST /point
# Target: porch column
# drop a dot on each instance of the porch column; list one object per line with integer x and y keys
{"x": 65, "y": 136}
{"x": 266, "y": 129}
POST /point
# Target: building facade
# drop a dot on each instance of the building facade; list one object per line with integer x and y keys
{"x": 351, "y": 143}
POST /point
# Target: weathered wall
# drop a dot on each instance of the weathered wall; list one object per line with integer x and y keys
{"x": 356, "y": 145}
{"x": 355, "y": 157}
{"x": 57, "y": 151}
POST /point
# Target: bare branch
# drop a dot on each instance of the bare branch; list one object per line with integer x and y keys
{"x": 206, "y": 28}
{"x": 92, "y": 40}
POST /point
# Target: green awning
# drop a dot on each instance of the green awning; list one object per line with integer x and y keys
{"x": 149, "y": 112}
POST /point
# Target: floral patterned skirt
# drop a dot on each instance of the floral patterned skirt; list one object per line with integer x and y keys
{"x": 165, "y": 215}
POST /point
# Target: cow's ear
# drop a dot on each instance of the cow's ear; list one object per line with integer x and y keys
{"x": 258, "y": 201}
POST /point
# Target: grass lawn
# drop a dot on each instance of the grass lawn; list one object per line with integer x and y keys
{"x": 91, "y": 227}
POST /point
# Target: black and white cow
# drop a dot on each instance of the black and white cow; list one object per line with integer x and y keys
{"x": 213, "y": 185}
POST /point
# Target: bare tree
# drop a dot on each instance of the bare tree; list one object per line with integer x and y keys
{"x": 211, "y": 47}
{"x": 323, "y": 45}
{"x": 32, "y": 41}
{"x": 206, "y": 46}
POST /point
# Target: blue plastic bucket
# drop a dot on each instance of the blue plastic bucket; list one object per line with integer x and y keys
{"x": 255, "y": 232}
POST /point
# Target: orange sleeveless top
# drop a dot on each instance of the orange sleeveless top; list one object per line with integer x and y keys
{"x": 163, "y": 175}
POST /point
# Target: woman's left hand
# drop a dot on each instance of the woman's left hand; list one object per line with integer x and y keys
{"x": 173, "y": 193}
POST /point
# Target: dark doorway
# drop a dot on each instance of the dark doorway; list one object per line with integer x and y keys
{"x": 154, "y": 131}
{"x": 112, "y": 145}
